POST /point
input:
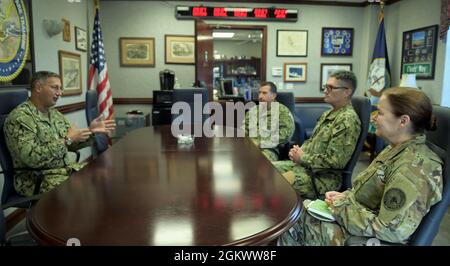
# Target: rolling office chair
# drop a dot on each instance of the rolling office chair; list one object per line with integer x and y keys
{"x": 362, "y": 108}
{"x": 187, "y": 96}
{"x": 439, "y": 142}
{"x": 9, "y": 99}
{"x": 309, "y": 113}
{"x": 100, "y": 140}
{"x": 18, "y": 239}
{"x": 287, "y": 99}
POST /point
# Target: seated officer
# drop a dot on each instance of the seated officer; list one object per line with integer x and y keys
{"x": 389, "y": 199}
{"x": 39, "y": 137}
{"x": 270, "y": 123}
{"x": 331, "y": 144}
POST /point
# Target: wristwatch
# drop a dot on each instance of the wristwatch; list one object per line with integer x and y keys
{"x": 68, "y": 141}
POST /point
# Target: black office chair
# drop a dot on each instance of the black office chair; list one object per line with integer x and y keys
{"x": 309, "y": 113}
{"x": 287, "y": 99}
{"x": 9, "y": 99}
{"x": 439, "y": 142}
{"x": 18, "y": 239}
{"x": 187, "y": 96}
{"x": 362, "y": 109}
{"x": 100, "y": 140}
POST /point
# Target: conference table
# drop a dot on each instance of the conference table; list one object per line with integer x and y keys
{"x": 148, "y": 189}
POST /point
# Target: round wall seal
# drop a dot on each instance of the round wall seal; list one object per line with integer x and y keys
{"x": 13, "y": 38}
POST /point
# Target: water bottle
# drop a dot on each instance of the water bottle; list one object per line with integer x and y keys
{"x": 248, "y": 93}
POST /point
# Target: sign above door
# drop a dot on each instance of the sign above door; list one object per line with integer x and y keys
{"x": 237, "y": 13}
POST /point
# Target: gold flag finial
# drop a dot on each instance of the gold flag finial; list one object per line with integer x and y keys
{"x": 96, "y": 4}
{"x": 381, "y": 16}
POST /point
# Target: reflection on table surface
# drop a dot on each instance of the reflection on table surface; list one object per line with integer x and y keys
{"x": 149, "y": 190}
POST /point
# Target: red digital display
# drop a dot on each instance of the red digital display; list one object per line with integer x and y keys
{"x": 280, "y": 13}
{"x": 260, "y": 12}
{"x": 240, "y": 13}
{"x": 274, "y": 14}
{"x": 220, "y": 12}
{"x": 200, "y": 12}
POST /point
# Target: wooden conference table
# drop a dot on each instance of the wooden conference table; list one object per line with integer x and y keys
{"x": 149, "y": 190}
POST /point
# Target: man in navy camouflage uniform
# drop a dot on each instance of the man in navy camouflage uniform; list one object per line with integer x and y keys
{"x": 39, "y": 137}
{"x": 278, "y": 122}
{"x": 331, "y": 144}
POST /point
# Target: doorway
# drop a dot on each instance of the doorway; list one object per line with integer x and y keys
{"x": 230, "y": 54}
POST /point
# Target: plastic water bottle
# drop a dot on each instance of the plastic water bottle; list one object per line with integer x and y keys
{"x": 248, "y": 94}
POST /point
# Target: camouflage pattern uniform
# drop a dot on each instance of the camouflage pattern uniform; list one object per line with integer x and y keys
{"x": 286, "y": 128}
{"x": 388, "y": 200}
{"x": 330, "y": 146}
{"x": 36, "y": 141}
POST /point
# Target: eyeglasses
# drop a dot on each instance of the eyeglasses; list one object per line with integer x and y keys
{"x": 327, "y": 87}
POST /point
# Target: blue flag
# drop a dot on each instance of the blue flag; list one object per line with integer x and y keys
{"x": 379, "y": 72}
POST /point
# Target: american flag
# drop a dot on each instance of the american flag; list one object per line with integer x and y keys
{"x": 98, "y": 71}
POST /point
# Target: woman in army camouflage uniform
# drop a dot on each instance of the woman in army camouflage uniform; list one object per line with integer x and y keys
{"x": 389, "y": 199}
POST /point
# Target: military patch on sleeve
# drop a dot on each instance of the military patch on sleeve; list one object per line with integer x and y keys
{"x": 394, "y": 199}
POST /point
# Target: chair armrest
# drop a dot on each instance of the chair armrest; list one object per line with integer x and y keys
{"x": 14, "y": 203}
{"x": 284, "y": 148}
{"x": 315, "y": 171}
{"x": 77, "y": 153}
{"x": 39, "y": 175}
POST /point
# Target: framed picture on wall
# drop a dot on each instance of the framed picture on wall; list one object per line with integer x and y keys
{"x": 329, "y": 68}
{"x": 292, "y": 43}
{"x": 337, "y": 42}
{"x": 70, "y": 72}
{"x": 137, "y": 52}
{"x": 80, "y": 39}
{"x": 66, "y": 30}
{"x": 179, "y": 49}
{"x": 419, "y": 52}
{"x": 294, "y": 72}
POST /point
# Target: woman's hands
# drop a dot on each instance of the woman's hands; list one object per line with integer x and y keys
{"x": 331, "y": 196}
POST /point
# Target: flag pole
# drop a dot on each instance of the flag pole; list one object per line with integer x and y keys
{"x": 380, "y": 16}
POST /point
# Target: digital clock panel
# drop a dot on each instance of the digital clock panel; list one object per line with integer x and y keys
{"x": 239, "y": 13}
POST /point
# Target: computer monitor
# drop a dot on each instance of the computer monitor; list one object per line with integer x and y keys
{"x": 227, "y": 86}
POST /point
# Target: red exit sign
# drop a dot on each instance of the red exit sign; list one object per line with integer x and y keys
{"x": 241, "y": 13}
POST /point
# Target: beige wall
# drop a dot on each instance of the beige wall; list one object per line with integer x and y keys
{"x": 155, "y": 19}
{"x": 408, "y": 15}
{"x": 46, "y": 48}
